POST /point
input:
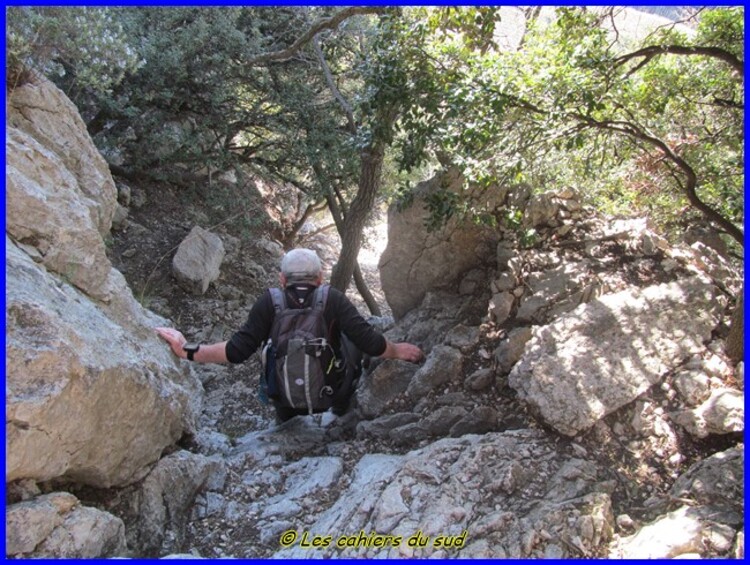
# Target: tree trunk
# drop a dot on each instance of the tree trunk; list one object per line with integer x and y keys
{"x": 338, "y": 212}
{"x": 351, "y": 238}
{"x": 735, "y": 340}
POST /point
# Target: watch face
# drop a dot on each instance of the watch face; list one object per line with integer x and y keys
{"x": 191, "y": 347}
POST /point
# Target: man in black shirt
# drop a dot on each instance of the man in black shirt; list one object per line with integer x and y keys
{"x": 301, "y": 273}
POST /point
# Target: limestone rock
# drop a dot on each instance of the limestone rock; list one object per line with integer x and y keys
{"x": 480, "y": 420}
{"x": 717, "y": 481}
{"x": 686, "y": 531}
{"x": 553, "y": 292}
{"x": 694, "y": 386}
{"x": 510, "y": 349}
{"x": 156, "y": 515}
{"x": 85, "y": 533}
{"x": 29, "y": 523}
{"x": 443, "y": 364}
{"x": 480, "y": 379}
{"x": 120, "y": 218}
{"x": 722, "y": 413}
{"x": 417, "y": 260}
{"x": 92, "y": 394}
{"x": 41, "y": 111}
{"x": 47, "y": 208}
{"x": 381, "y": 427}
{"x": 197, "y": 262}
{"x": 436, "y": 317}
{"x": 310, "y": 475}
{"x": 387, "y": 381}
{"x": 124, "y": 194}
{"x": 602, "y": 355}
{"x": 463, "y": 337}
{"x": 540, "y": 210}
{"x": 408, "y": 434}
{"x": 56, "y": 525}
{"x": 469, "y": 484}
{"x": 500, "y": 306}
{"x": 440, "y": 422}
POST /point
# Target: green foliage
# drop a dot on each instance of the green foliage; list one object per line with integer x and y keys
{"x": 85, "y": 48}
{"x": 575, "y": 104}
{"x": 571, "y": 107}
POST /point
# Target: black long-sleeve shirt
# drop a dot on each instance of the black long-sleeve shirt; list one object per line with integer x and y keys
{"x": 340, "y": 316}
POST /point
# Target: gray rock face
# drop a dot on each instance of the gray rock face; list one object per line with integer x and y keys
{"x": 500, "y": 306}
{"x": 722, "y": 413}
{"x": 510, "y": 350}
{"x": 716, "y": 486}
{"x": 56, "y": 525}
{"x": 435, "y": 321}
{"x": 504, "y": 495}
{"x": 440, "y": 422}
{"x": 717, "y": 481}
{"x": 60, "y": 197}
{"x": 197, "y": 262}
{"x": 602, "y": 355}
{"x": 75, "y": 375}
{"x": 92, "y": 395}
{"x": 382, "y": 426}
{"x": 480, "y": 420}
{"x": 480, "y": 379}
{"x": 158, "y": 513}
{"x": 443, "y": 364}
{"x": 387, "y": 381}
{"x": 41, "y": 111}
{"x": 417, "y": 260}
{"x": 683, "y": 532}
{"x": 694, "y": 386}
{"x": 553, "y": 292}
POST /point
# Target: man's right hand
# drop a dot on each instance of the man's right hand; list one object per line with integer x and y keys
{"x": 403, "y": 351}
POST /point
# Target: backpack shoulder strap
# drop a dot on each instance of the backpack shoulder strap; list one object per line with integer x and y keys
{"x": 279, "y": 300}
{"x": 320, "y": 299}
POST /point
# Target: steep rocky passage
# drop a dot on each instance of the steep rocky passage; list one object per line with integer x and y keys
{"x": 493, "y": 447}
{"x": 298, "y": 477}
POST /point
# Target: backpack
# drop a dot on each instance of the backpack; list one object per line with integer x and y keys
{"x": 298, "y": 356}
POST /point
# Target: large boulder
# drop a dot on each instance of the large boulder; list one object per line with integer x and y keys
{"x": 57, "y": 525}
{"x": 418, "y": 260}
{"x": 602, "y": 355}
{"x": 60, "y": 197}
{"x": 92, "y": 395}
{"x": 442, "y": 365}
{"x": 41, "y": 111}
{"x": 88, "y": 397}
{"x": 157, "y": 512}
{"x": 390, "y": 379}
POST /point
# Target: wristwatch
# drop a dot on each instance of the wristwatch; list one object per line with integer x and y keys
{"x": 191, "y": 349}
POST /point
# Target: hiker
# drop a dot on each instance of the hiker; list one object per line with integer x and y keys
{"x": 332, "y": 356}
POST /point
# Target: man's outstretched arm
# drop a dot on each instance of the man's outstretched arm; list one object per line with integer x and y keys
{"x": 208, "y": 353}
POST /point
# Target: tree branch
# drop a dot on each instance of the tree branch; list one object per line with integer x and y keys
{"x": 691, "y": 179}
{"x": 321, "y": 25}
{"x": 334, "y": 89}
{"x": 655, "y": 50}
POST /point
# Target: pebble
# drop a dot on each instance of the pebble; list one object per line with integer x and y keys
{"x": 625, "y": 522}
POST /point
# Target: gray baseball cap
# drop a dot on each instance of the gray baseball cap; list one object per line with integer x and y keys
{"x": 301, "y": 265}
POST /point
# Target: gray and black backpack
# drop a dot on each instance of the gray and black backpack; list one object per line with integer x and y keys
{"x": 299, "y": 356}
